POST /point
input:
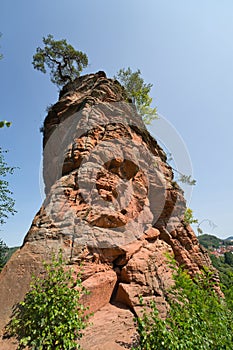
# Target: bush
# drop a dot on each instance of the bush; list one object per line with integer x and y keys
{"x": 51, "y": 316}
{"x": 198, "y": 319}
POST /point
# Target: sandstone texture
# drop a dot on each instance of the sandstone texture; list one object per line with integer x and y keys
{"x": 111, "y": 204}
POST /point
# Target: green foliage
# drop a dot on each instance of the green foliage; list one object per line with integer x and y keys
{"x": 51, "y": 316}
{"x": 65, "y": 63}
{"x": 198, "y": 318}
{"x": 3, "y": 254}
{"x": 4, "y": 123}
{"x": 6, "y": 201}
{"x": 210, "y": 241}
{"x": 188, "y": 217}
{"x": 187, "y": 179}
{"x": 138, "y": 91}
{"x": 228, "y": 258}
{"x": 226, "y": 277}
{"x": 225, "y": 271}
{"x": 228, "y": 292}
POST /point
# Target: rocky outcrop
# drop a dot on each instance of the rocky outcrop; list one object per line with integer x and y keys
{"x": 111, "y": 204}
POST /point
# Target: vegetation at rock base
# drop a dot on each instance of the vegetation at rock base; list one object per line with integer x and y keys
{"x": 51, "y": 317}
{"x": 198, "y": 318}
{"x": 138, "y": 91}
{"x": 64, "y": 62}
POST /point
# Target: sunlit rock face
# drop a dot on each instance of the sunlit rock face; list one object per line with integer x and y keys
{"x": 110, "y": 204}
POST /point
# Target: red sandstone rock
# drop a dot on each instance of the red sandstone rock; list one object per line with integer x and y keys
{"x": 151, "y": 234}
{"x": 101, "y": 286}
{"x": 112, "y": 328}
{"x": 110, "y": 204}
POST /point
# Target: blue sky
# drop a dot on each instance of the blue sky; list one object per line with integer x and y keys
{"x": 184, "y": 48}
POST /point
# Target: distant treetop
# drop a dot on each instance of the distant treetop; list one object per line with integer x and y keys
{"x": 65, "y": 63}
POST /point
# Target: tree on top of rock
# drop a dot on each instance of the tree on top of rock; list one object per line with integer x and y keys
{"x": 138, "y": 91}
{"x": 65, "y": 63}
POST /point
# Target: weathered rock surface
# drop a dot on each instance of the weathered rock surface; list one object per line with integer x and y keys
{"x": 110, "y": 204}
{"x": 112, "y": 329}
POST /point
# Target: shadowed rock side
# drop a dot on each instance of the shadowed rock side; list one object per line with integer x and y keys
{"x": 110, "y": 204}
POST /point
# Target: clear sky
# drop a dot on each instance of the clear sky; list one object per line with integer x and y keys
{"x": 185, "y": 48}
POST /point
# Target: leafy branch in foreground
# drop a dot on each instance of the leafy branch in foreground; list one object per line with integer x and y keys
{"x": 138, "y": 91}
{"x": 51, "y": 317}
{"x": 6, "y": 201}
{"x": 198, "y": 318}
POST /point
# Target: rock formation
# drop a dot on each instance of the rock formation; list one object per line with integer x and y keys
{"x": 111, "y": 204}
